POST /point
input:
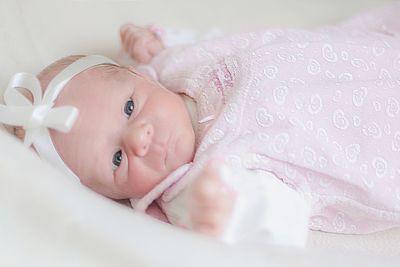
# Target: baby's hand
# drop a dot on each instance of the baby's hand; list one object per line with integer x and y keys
{"x": 140, "y": 43}
{"x": 212, "y": 202}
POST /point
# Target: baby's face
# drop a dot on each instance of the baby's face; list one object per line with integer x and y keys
{"x": 130, "y": 134}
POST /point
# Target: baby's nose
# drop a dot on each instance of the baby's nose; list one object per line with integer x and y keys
{"x": 138, "y": 139}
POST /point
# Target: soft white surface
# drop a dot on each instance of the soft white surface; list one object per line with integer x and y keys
{"x": 33, "y": 33}
{"x": 47, "y": 220}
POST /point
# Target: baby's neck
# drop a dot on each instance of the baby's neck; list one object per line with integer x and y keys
{"x": 192, "y": 110}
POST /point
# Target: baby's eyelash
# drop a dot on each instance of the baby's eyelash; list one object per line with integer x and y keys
{"x": 129, "y": 107}
{"x": 128, "y": 110}
{"x": 117, "y": 159}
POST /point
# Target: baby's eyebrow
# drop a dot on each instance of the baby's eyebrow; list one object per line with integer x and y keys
{"x": 111, "y": 69}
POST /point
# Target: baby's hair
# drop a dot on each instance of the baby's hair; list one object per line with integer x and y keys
{"x": 48, "y": 73}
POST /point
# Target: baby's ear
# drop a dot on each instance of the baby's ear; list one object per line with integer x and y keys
{"x": 19, "y": 132}
{"x": 146, "y": 71}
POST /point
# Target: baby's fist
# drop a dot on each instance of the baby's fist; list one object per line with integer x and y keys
{"x": 212, "y": 202}
{"x": 140, "y": 43}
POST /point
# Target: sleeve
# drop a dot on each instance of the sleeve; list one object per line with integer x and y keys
{"x": 173, "y": 64}
{"x": 177, "y": 67}
{"x": 178, "y": 43}
{"x": 185, "y": 53}
{"x": 266, "y": 210}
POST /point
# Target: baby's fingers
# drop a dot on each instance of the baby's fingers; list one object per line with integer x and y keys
{"x": 208, "y": 228}
{"x": 127, "y": 31}
{"x": 206, "y": 185}
{"x": 123, "y": 30}
{"x": 128, "y": 41}
{"x": 218, "y": 200}
{"x": 140, "y": 51}
{"x": 155, "y": 46}
{"x": 130, "y": 29}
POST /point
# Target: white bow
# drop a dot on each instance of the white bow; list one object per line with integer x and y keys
{"x": 39, "y": 115}
{"x": 35, "y": 116}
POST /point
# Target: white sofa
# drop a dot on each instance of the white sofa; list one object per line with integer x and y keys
{"x": 48, "y": 220}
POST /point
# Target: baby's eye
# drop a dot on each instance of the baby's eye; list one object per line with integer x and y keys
{"x": 117, "y": 158}
{"x": 129, "y": 107}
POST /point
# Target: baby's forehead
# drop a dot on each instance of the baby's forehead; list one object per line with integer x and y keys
{"x": 106, "y": 71}
{"x": 95, "y": 85}
{"x": 97, "y": 77}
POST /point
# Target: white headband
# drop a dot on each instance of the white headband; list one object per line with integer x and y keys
{"x": 40, "y": 115}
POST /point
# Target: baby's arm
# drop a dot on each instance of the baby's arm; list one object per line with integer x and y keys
{"x": 140, "y": 43}
{"x": 266, "y": 210}
{"x": 240, "y": 205}
{"x": 211, "y": 202}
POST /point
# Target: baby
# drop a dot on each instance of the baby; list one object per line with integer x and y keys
{"x": 252, "y": 129}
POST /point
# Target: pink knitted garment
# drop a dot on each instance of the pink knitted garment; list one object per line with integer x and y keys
{"x": 319, "y": 109}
